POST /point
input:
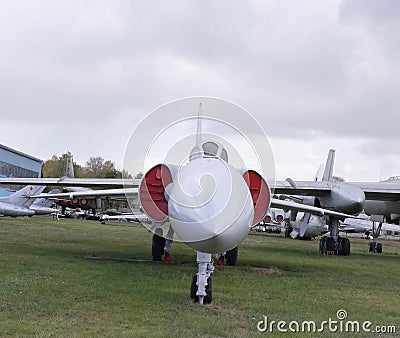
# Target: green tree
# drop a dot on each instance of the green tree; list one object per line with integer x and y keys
{"x": 97, "y": 167}
{"x": 56, "y": 166}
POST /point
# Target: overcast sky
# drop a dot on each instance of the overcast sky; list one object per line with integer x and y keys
{"x": 79, "y": 75}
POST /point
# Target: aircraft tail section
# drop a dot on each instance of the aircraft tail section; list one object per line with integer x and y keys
{"x": 21, "y": 197}
{"x": 319, "y": 174}
{"x": 328, "y": 172}
{"x": 44, "y": 202}
{"x": 199, "y": 126}
{"x": 69, "y": 170}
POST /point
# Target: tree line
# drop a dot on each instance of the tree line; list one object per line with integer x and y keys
{"x": 96, "y": 167}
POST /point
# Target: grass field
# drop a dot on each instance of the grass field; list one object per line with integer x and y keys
{"x": 49, "y": 286}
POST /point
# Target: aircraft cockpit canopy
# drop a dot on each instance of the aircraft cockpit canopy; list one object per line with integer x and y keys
{"x": 210, "y": 149}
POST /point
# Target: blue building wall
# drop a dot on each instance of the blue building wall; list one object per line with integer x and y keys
{"x": 14, "y": 163}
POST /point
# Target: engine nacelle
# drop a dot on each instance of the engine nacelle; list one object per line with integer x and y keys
{"x": 152, "y": 187}
{"x": 260, "y": 194}
{"x": 268, "y": 218}
{"x": 310, "y": 200}
{"x": 279, "y": 216}
{"x": 345, "y": 198}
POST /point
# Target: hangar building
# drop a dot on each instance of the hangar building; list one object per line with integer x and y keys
{"x": 14, "y": 163}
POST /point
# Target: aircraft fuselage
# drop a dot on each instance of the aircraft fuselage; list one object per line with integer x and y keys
{"x": 390, "y": 209}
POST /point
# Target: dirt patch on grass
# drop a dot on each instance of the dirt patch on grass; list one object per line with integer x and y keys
{"x": 267, "y": 271}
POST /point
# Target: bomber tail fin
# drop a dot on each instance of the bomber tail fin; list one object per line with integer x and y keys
{"x": 69, "y": 170}
{"x": 328, "y": 172}
{"x": 324, "y": 176}
{"x": 319, "y": 174}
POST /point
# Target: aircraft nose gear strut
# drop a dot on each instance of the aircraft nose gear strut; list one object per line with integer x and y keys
{"x": 201, "y": 289}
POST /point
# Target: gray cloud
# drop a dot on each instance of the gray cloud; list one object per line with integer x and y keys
{"x": 82, "y": 74}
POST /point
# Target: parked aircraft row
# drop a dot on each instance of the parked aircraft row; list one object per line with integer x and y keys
{"x": 20, "y": 203}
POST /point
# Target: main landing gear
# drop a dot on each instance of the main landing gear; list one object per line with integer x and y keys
{"x": 376, "y": 231}
{"x": 161, "y": 246}
{"x": 327, "y": 246}
{"x": 334, "y": 244}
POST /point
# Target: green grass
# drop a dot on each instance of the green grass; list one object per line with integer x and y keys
{"x": 49, "y": 287}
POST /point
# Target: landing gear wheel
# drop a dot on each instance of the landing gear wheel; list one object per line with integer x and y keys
{"x": 193, "y": 290}
{"x": 330, "y": 246}
{"x": 231, "y": 256}
{"x": 322, "y": 247}
{"x": 371, "y": 247}
{"x": 345, "y": 247}
{"x": 379, "y": 247}
{"x": 157, "y": 248}
{"x": 288, "y": 231}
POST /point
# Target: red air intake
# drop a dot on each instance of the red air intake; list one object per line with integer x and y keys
{"x": 260, "y": 194}
{"x": 151, "y": 192}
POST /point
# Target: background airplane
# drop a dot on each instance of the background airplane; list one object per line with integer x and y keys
{"x": 368, "y": 226}
{"x": 43, "y": 206}
{"x": 390, "y": 209}
{"x": 18, "y": 203}
{"x": 316, "y": 225}
{"x": 127, "y": 217}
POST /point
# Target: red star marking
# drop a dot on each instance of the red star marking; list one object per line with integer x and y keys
{"x": 31, "y": 188}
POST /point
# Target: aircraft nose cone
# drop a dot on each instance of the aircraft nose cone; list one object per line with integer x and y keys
{"x": 357, "y": 205}
{"x": 210, "y": 207}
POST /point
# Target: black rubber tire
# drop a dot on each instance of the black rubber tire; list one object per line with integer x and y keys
{"x": 231, "y": 256}
{"x": 157, "y": 247}
{"x": 339, "y": 246}
{"x": 371, "y": 247}
{"x": 330, "y": 245}
{"x": 379, "y": 247}
{"x": 288, "y": 232}
{"x": 322, "y": 247}
{"x": 193, "y": 290}
{"x": 345, "y": 247}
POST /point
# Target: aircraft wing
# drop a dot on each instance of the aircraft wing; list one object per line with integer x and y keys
{"x": 305, "y": 188}
{"x": 66, "y": 181}
{"x": 275, "y": 203}
{"x": 91, "y": 193}
{"x": 383, "y": 191}
{"x": 285, "y": 205}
